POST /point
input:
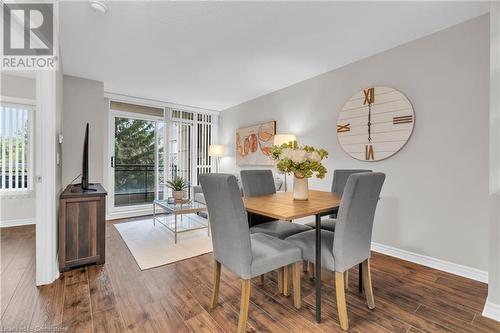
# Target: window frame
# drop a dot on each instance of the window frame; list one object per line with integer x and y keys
{"x": 30, "y": 105}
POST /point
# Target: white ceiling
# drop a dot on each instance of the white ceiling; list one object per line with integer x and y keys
{"x": 218, "y": 54}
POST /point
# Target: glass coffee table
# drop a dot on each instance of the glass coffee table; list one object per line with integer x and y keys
{"x": 182, "y": 223}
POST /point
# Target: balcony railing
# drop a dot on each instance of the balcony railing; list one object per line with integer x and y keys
{"x": 135, "y": 184}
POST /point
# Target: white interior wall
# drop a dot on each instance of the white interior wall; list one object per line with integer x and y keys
{"x": 18, "y": 86}
{"x": 492, "y": 308}
{"x": 18, "y": 209}
{"x": 59, "y": 123}
{"x": 47, "y": 172}
{"x": 435, "y": 199}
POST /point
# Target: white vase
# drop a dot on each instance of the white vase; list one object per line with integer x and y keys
{"x": 300, "y": 188}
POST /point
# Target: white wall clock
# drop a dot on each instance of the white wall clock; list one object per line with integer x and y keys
{"x": 375, "y": 123}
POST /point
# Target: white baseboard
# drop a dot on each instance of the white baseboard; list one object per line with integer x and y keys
{"x": 130, "y": 213}
{"x": 468, "y": 272}
{"x": 491, "y": 310}
{"x": 16, "y": 222}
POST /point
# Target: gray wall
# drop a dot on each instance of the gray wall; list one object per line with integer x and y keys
{"x": 18, "y": 208}
{"x": 435, "y": 199}
{"x": 494, "y": 265}
{"x": 18, "y": 86}
{"x": 83, "y": 102}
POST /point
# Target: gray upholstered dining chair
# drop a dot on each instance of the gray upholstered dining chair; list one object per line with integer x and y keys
{"x": 340, "y": 177}
{"x": 247, "y": 255}
{"x": 339, "y": 182}
{"x": 350, "y": 244}
{"x": 261, "y": 182}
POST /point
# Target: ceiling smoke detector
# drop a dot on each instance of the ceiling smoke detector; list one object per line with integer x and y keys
{"x": 98, "y": 6}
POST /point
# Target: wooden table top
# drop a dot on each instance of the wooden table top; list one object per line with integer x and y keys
{"x": 282, "y": 206}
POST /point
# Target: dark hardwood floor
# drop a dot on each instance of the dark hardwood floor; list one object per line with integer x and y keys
{"x": 118, "y": 297}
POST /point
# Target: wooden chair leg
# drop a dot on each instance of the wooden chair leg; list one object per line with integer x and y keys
{"x": 286, "y": 281}
{"x": 360, "y": 278}
{"x": 215, "y": 290}
{"x": 312, "y": 271}
{"x": 262, "y": 280}
{"x": 305, "y": 266}
{"x": 296, "y": 285}
{"x": 367, "y": 281}
{"x": 245, "y": 300}
{"x": 346, "y": 279}
{"x": 280, "y": 280}
{"x": 341, "y": 304}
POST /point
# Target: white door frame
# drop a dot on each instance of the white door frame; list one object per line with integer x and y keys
{"x": 46, "y": 200}
{"x": 113, "y": 212}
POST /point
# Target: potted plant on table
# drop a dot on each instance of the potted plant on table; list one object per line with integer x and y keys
{"x": 178, "y": 186}
{"x": 301, "y": 160}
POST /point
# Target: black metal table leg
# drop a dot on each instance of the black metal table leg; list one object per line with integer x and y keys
{"x": 360, "y": 280}
{"x": 318, "y": 268}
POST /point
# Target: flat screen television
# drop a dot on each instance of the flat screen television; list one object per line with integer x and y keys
{"x": 85, "y": 162}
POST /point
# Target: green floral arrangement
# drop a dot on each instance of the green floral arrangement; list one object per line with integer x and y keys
{"x": 303, "y": 161}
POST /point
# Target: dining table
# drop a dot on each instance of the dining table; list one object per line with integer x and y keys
{"x": 282, "y": 206}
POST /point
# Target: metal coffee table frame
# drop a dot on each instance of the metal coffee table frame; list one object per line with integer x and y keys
{"x": 179, "y": 209}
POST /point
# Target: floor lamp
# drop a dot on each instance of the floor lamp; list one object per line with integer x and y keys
{"x": 280, "y": 139}
{"x": 216, "y": 151}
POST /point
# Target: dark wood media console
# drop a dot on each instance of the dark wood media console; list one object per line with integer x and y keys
{"x": 82, "y": 219}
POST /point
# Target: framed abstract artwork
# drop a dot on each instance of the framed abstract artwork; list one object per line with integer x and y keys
{"x": 253, "y": 144}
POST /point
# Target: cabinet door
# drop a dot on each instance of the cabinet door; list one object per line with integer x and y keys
{"x": 81, "y": 229}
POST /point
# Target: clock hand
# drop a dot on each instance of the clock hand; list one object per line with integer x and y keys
{"x": 369, "y": 122}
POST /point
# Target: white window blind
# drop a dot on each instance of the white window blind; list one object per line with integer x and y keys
{"x": 181, "y": 148}
{"x": 204, "y": 133}
{"x": 15, "y": 145}
{"x": 190, "y": 135}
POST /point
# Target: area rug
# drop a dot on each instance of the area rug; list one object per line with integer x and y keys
{"x": 153, "y": 245}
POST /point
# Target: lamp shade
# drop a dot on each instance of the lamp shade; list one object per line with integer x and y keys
{"x": 280, "y": 139}
{"x": 216, "y": 150}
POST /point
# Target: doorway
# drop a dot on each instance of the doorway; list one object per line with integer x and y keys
{"x": 137, "y": 161}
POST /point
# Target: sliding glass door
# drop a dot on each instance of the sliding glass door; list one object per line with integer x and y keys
{"x": 149, "y": 146}
{"x": 136, "y": 160}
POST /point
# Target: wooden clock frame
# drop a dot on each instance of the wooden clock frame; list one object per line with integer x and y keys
{"x": 375, "y": 123}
